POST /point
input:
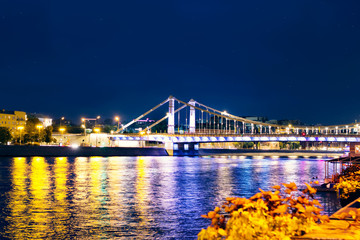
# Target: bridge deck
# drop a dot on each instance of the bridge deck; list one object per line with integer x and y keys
{"x": 198, "y": 138}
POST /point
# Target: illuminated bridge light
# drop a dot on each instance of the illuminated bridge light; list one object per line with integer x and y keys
{"x": 282, "y": 139}
{"x": 204, "y": 139}
{"x": 341, "y": 139}
{"x": 222, "y": 139}
{"x": 312, "y": 139}
{"x": 351, "y": 139}
{"x": 273, "y": 139}
{"x": 247, "y": 139}
{"x": 213, "y": 139}
{"x": 189, "y": 139}
{"x": 238, "y": 139}
{"x": 322, "y": 139}
{"x": 331, "y": 139}
{"x": 302, "y": 139}
{"x": 182, "y": 139}
{"x": 264, "y": 139}
{"x": 292, "y": 139}
{"x": 197, "y": 139}
{"x": 230, "y": 139}
{"x": 256, "y": 139}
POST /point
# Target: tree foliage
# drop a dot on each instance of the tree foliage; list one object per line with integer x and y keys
{"x": 5, "y": 135}
{"x": 48, "y": 134}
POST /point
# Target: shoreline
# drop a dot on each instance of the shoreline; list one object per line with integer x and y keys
{"x": 269, "y": 153}
{"x": 66, "y": 151}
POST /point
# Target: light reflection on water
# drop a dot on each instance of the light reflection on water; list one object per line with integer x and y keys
{"x": 134, "y": 197}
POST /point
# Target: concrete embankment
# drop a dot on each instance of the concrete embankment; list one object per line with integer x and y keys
{"x": 280, "y": 153}
{"x": 56, "y": 151}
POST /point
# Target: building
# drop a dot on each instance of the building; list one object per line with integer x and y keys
{"x": 12, "y": 119}
{"x": 45, "y": 120}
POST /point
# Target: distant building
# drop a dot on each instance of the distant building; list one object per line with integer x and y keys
{"x": 46, "y": 121}
{"x": 12, "y": 119}
{"x": 258, "y": 119}
{"x": 140, "y": 125}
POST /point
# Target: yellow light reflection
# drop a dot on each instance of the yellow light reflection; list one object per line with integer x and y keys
{"x": 95, "y": 193}
{"x": 39, "y": 189}
{"x": 17, "y": 219}
{"x": 142, "y": 196}
{"x": 60, "y": 193}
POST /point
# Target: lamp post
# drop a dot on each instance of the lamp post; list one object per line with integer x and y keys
{"x": 97, "y": 118}
{"x": 62, "y": 130}
{"x": 117, "y": 119}
{"x": 61, "y": 119}
{"x": 39, "y": 127}
{"x": 96, "y": 130}
{"x": 20, "y": 128}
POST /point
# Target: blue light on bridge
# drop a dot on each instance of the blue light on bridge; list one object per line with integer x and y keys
{"x": 195, "y": 139}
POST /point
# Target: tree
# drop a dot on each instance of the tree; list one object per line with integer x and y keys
{"x": 5, "y": 135}
{"x": 248, "y": 145}
{"x": 48, "y": 134}
{"x": 31, "y": 132}
{"x": 161, "y": 127}
{"x": 108, "y": 128}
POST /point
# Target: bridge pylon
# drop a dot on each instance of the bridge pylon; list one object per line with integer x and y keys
{"x": 171, "y": 116}
{"x": 192, "y": 124}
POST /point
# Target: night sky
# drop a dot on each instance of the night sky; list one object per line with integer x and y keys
{"x": 280, "y": 59}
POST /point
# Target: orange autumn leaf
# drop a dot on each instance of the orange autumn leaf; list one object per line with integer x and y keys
{"x": 292, "y": 186}
{"x": 281, "y": 209}
{"x": 277, "y": 187}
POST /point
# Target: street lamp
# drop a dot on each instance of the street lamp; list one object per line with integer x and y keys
{"x": 20, "y": 128}
{"x": 97, "y": 118}
{"x": 39, "y": 127}
{"x": 61, "y": 119}
{"x": 96, "y": 130}
{"x": 117, "y": 119}
{"x": 62, "y": 130}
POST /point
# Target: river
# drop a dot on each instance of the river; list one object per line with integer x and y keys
{"x": 134, "y": 197}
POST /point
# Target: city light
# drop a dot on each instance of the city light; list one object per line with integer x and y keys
{"x": 117, "y": 119}
{"x": 20, "y": 128}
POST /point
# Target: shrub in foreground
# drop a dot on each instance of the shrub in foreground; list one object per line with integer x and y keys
{"x": 278, "y": 214}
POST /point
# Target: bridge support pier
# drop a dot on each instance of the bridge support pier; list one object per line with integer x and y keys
{"x": 169, "y": 147}
{"x": 186, "y": 149}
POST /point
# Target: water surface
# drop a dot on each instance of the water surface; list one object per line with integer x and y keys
{"x": 134, "y": 197}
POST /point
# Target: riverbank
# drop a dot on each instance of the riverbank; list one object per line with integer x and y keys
{"x": 57, "y": 151}
{"x": 269, "y": 153}
{"x": 66, "y": 151}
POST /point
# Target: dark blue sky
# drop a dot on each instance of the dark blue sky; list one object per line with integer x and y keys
{"x": 281, "y": 59}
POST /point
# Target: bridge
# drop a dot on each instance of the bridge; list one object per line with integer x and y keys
{"x": 191, "y": 123}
